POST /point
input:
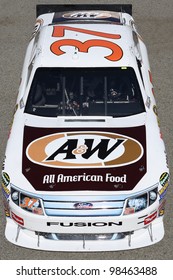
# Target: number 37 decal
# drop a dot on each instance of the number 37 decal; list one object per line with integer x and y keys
{"x": 59, "y": 31}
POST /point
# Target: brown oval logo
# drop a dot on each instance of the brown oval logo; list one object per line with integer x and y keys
{"x": 84, "y": 150}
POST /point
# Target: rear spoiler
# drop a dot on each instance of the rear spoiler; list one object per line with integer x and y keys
{"x": 44, "y": 8}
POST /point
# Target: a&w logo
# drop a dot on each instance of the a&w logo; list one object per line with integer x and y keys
{"x": 84, "y": 149}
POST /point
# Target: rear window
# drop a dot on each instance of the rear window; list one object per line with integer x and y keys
{"x": 84, "y": 92}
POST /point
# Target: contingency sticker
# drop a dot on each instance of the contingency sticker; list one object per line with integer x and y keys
{"x": 5, "y": 184}
{"x": 164, "y": 182}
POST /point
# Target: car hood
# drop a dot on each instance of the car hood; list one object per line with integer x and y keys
{"x": 84, "y": 159}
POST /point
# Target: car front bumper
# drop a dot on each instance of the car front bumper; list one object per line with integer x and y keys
{"x": 139, "y": 238}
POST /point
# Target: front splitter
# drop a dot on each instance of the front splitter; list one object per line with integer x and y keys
{"x": 140, "y": 238}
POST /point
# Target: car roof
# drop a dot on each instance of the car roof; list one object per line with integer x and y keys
{"x": 84, "y": 43}
{"x": 94, "y": 56}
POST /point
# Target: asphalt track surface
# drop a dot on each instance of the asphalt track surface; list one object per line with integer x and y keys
{"x": 154, "y": 20}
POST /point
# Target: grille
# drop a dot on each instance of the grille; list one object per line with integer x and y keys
{"x": 85, "y": 206}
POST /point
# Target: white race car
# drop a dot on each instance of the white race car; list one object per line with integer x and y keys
{"x": 85, "y": 167}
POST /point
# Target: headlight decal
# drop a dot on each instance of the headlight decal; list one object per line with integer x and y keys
{"x": 31, "y": 204}
{"x": 140, "y": 202}
{"x": 136, "y": 204}
{"x": 27, "y": 202}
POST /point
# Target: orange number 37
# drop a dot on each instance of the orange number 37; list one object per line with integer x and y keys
{"x": 58, "y": 31}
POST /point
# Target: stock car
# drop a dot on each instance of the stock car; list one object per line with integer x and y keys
{"x": 85, "y": 166}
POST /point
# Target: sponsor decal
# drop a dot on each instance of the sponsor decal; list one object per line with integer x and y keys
{"x": 83, "y": 15}
{"x": 89, "y": 15}
{"x": 7, "y": 213}
{"x": 61, "y": 178}
{"x": 83, "y": 224}
{"x": 84, "y": 149}
{"x": 5, "y": 184}
{"x": 17, "y": 219}
{"x": 150, "y": 218}
{"x": 83, "y": 205}
{"x": 164, "y": 182}
{"x": 80, "y": 159}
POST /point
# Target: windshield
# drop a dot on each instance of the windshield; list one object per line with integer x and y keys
{"x": 85, "y": 92}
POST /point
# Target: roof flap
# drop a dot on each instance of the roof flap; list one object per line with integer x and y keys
{"x": 44, "y": 8}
